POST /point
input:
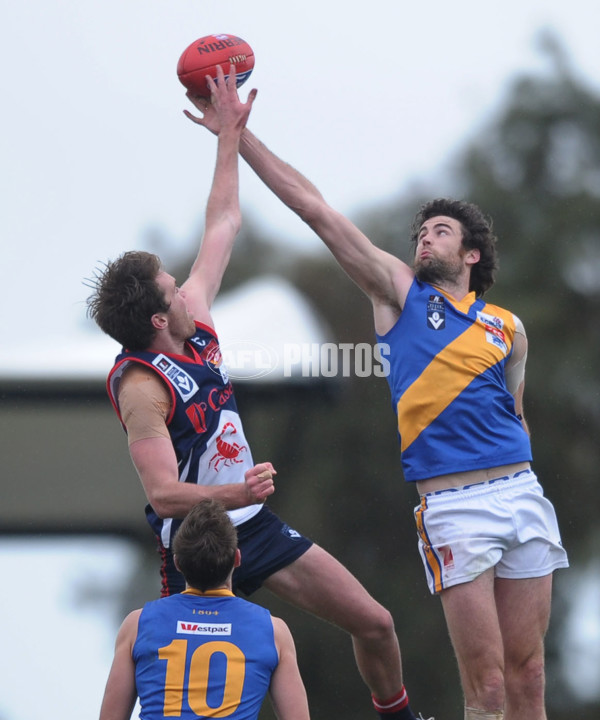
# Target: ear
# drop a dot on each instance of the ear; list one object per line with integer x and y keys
{"x": 473, "y": 256}
{"x": 159, "y": 321}
{"x": 176, "y": 563}
{"x": 237, "y": 560}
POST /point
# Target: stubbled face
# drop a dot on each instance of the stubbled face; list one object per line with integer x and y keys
{"x": 439, "y": 255}
{"x": 180, "y": 319}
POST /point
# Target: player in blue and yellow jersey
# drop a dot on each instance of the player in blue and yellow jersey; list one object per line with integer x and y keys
{"x": 487, "y": 535}
{"x": 204, "y": 653}
{"x": 173, "y": 396}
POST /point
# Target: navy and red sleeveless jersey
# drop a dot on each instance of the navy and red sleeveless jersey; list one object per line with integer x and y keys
{"x": 204, "y": 424}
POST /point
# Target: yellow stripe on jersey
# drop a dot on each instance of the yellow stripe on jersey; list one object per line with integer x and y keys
{"x": 450, "y": 372}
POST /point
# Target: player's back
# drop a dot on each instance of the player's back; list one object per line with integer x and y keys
{"x": 203, "y": 655}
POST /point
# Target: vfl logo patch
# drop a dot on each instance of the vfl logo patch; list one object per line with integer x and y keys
{"x": 436, "y": 312}
{"x": 192, "y": 628}
{"x": 494, "y": 332}
{"x": 289, "y": 532}
{"x": 182, "y": 382}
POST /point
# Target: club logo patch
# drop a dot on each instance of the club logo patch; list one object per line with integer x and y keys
{"x": 447, "y": 556}
{"x": 211, "y": 355}
{"x": 182, "y": 382}
{"x": 436, "y": 312}
{"x": 494, "y": 330}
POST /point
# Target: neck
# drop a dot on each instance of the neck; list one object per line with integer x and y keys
{"x": 170, "y": 347}
{"x": 458, "y": 290}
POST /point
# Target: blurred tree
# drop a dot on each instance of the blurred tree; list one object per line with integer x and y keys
{"x": 535, "y": 169}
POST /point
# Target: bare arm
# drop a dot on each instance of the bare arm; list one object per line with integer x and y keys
{"x": 515, "y": 370}
{"x": 120, "y": 693}
{"x": 156, "y": 465}
{"x": 145, "y": 404}
{"x": 223, "y": 216}
{"x": 384, "y": 278}
{"x": 287, "y": 689}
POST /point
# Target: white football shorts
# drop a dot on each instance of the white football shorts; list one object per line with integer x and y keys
{"x": 505, "y": 523}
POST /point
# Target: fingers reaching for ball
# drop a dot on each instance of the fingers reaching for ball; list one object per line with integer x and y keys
{"x": 224, "y": 109}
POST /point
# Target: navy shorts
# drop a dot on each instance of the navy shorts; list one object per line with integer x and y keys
{"x": 267, "y": 545}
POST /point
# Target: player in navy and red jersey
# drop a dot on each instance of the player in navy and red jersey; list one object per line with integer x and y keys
{"x": 185, "y": 436}
{"x": 488, "y": 537}
{"x": 204, "y": 652}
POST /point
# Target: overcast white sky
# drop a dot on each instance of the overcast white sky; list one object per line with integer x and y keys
{"x": 363, "y": 98}
{"x": 97, "y": 153}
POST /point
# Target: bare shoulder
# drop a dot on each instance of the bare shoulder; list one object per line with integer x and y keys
{"x": 140, "y": 379}
{"x": 519, "y": 327}
{"x": 137, "y": 373}
{"x": 282, "y": 635}
{"x": 144, "y": 403}
{"x": 129, "y": 627}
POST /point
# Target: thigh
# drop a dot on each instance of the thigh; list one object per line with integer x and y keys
{"x": 472, "y": 620}
{"x": 320, "y": 584}
{"x": 267, "y": 544}
{"x": 523, "y": 612}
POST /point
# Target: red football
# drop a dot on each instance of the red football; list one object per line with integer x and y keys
{"x": 202, "y": 57}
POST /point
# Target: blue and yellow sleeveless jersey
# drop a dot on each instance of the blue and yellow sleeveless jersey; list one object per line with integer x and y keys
{"x": 446, "y": 376}
{"x": 203, "y": 655}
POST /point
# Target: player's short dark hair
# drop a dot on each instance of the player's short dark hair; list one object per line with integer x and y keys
{"x": 126, "y": 296}
{"x": 205, "y": 545}
{"x": 477, "y": 234}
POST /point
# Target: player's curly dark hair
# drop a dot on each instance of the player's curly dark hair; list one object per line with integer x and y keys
{"x": 126, "y": 296}
{"x": 205, "y": 544}
{"x": 477, "y": 233}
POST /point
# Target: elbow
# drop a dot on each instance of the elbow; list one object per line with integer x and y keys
{"x": 235, "y": 220}
{"x": 161, "y": 510}
{"x": 311, "y": 210}
{"x": 162, "y": 505}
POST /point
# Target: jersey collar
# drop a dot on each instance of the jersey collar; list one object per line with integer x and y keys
{"x": 218, "y": 592}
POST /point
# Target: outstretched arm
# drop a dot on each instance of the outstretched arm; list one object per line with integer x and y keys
{"x": 287, "y": 691}
{"x": 383, "y": 277}
{"x": 223, "y": 216}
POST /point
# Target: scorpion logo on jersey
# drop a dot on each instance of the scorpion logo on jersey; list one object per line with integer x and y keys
{"x": 227, "y": 452}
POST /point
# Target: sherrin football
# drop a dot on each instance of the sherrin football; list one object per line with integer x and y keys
{"x": 202, "y": 57}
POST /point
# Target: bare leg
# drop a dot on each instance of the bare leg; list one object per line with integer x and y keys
{"x": 471, "y": 616}
{"x": 318, "y": 583}
{"x": 524, "y": 613}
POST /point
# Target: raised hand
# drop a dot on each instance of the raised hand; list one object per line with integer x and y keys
{"x": 224, "y": 106}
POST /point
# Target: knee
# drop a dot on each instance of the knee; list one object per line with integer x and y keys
{"x": 487, "y": 688}
{"x": 377, "y": 625}
{"x": 526, "y": 678}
